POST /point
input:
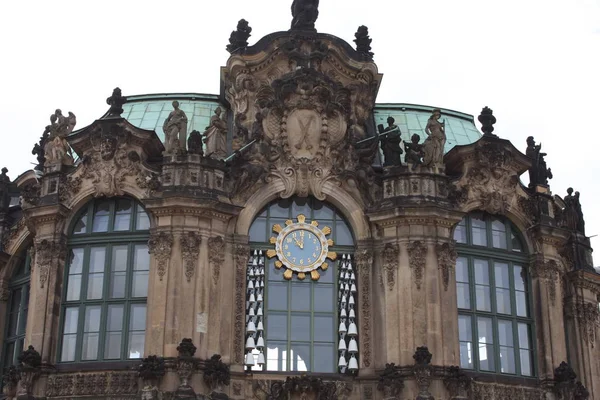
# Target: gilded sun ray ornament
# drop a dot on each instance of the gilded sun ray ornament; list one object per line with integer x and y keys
{"x": 301, "y": 248}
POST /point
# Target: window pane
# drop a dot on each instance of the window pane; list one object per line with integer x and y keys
{"x": 482, "y": 274}
{"x": 499, "y": 239}
{"x": 463, "y": 295}
{"x": 498, "y": 225}
{"x": 112, "y": 347}
{"x": 89, "y": 349}
{"x": 505, "y": 333}
{"x": 301, "y": 206}
{"x": 523, "y": 336}
{"x": 137, "y": 318}
{"x": 136, "y": 345}
{"x": 95, "y": 286}
{"x": 327, "y": 276}
{"x": 277, "y": 296}
{"x": 324, "y": 358}
{"x": 501, "y": 275}
{"x": 119, "y": 258}
{"x": 277, "y": 356}
{"x": 101, "y": 215}
{"x": 323, "y": 298}
{"x": 323, "y": 329}
{"x": 117, "y": 285}
{"x": 143, "y": 222}
{"x": 322, "y": 211}
{"x": 68, "y": 348}
{"x": 520, "y": 278}
{"x": 73, "y": 287}
{"x": 141, "y": 258}
{"x": 482, "y": 297}
{"x": 81, "y": 225}
{"x": 507, "y": 360}
{"x": 486, "y": 357}
{"x": 460, "y": 233}
{"x": 462, "y": 270}
{"x": 479, "y": 232}
{"x": 516, "y": 243}
{"x": 521, "y": 300}
{"x": 71, "y": 318}
{"x": 97, "y": 257}
{"x": 301, "y": 327}
{"x": 123, "y": 209}
{"x": 343, "y": 235}
{"x": 276, "y": 327}
{"x": 300, "y": 297}
{"x": 10, "y": 354}
{"x": 503, "y": 301}
{"x": 92, "y": 319}
{"x": 485, "y": 331}
{"x": 465, "y": 332}
{"x": 466, "y": 355}
{"x": 258, "y": 230}
{"x": 115, "y": 318}
{"x": 526, "y": 362}
{"x": 76, "y": 261}
{"x": 300, "y": 357}
{"x": 140, "y": 284}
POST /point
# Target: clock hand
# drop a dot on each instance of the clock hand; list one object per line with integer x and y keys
{"x": 298, "y": 243}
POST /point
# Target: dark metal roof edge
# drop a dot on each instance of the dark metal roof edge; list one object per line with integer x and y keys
{"x": 420, "y": 107}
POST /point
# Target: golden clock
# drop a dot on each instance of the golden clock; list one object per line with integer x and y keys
{"x": 301, "y": 247}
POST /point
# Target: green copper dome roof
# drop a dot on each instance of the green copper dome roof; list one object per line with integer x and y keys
{"x": 150, "y": 112}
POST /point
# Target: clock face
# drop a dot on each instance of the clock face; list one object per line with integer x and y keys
{"x": 301, "y": 247}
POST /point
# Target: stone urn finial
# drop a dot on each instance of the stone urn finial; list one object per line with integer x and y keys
{"x": 487, "y": 120}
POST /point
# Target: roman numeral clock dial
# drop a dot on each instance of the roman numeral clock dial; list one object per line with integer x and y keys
{"x": 301, "y": 248}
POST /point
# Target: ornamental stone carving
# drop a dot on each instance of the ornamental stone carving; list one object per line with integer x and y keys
{"x": 93, "y": 384}
{"x": 10, "y": 380}
{"x": 151, "y": 370}
{"x": 56, "y": 149}
{"x": 422, "y": 371}
{"x": 48, "y": 255}
{"x": 190, "y": 248}
{"x": 216, "y": 255}
{"x": 216, "y": 373}
{"x": 364, "y": 261}
{"x": 391, "y": 252}
{"x": 160, "y": 245}
{"x": 457, "y": 383}
{"x": 390, "y": 382}
{"x": 588, "y": 318}
{"x": 4, "y": 291}
{"x": 242, "y": 253}
{"x": 487, "y": 391}
{"x": 417, "y": 253}
{"x": 446, "y": 256}
{"x": 549, "y": 271}
{"x": 304, "y": 108}
{"x": 186, "y": 364}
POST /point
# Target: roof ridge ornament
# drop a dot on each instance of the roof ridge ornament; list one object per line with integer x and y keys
{"x": 487, "y": 120}
{"x": 304, "y": 15}
{"x": 363, "y": 43}
{"x": 115, "y": 101}
{"x": 238, "y": 40}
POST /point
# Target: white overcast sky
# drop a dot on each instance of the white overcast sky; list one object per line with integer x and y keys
{"x": 536, "y": 63}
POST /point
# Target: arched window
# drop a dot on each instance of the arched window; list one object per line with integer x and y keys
{"x": 494, "y": 304}
{"x": 302, "y": 323}
{"x": 16, "y": 317}
{"x": 104, "y": 299}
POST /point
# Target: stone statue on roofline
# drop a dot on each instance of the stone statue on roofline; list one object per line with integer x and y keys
{"x": 539, "y": 173}
{"x": 390, "y": 143}
{"x": 435, "y": 142}
{"x": 238, "y": 40}
{"x": 215, "y": 136}
{"x": 414, "y": 151}
{"x": 305, "y": 14}
{"x": 573, "y": 214}
{"x": 56, "y": 148}
{"x": 175, "y": 128}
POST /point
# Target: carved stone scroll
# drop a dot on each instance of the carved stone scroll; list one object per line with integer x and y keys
{"x": 446, "y": 255}
{"x": 364, "y": 261}
{"x": 160, "y": 246}
{"x": 216, "y": 255}
{"x": 417, "y": 252}
{"x": 190, "y": 248}
{"x": 242, "y": 253}
{"x": 588, "y": 318}
{"x": 390, "y": 263}
{"x": 46, "y": 252}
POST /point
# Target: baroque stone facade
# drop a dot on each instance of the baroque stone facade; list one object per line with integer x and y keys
{"x": 296, "y": 119}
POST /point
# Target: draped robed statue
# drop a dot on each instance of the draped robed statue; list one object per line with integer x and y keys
{"x": 305, "y": 14}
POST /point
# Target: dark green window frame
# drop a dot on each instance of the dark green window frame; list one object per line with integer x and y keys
{"x": 16, "y": 312}
{"x": 117, "y": 272}
{"x": 493, "y": 298}
{"x": 289, "y": 209}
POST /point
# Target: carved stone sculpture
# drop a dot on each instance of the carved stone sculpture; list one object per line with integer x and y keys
{"x": 390, "y": 143}
{"x": 56, "y": 148}
{"x": 150, "y": 371}
{"x": 435, "y": 142}
{"x": 422, "y": 371}
{"x": 195, "y": 143}
{"x": 30, "y": 367}
{"x": 390, "y": 263}
{"x": 304, "y": 14}
{"x": 565, "y": 385}
{"x": 160, "y": 245}
{"x": 215, "y": 136}
{"x": 487, "y": 120}
{"x": 190, "y": 248}
{"x": 446, "y": 255}
{"x": 39, "y": 149}
{"x": 573, "y": 214}
{"x": 414, "y": 151}
{"x": 216, "y": 373}
{"x": 390, "y": 382}
{"x": 539, "y": 173}
{"x": 417, "y": 252}
{"x": 457, "y": 383}
{"x": 175, "y": 128}
{"x": 363, "y": 43}
{"x": 238, "y": 40}
{"x": 10, "y": 381}
{"x": 116, "y": 101}
{"x": 186, "y": 364}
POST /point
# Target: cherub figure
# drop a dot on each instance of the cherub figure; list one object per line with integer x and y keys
{"x": 414, "y": 151}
